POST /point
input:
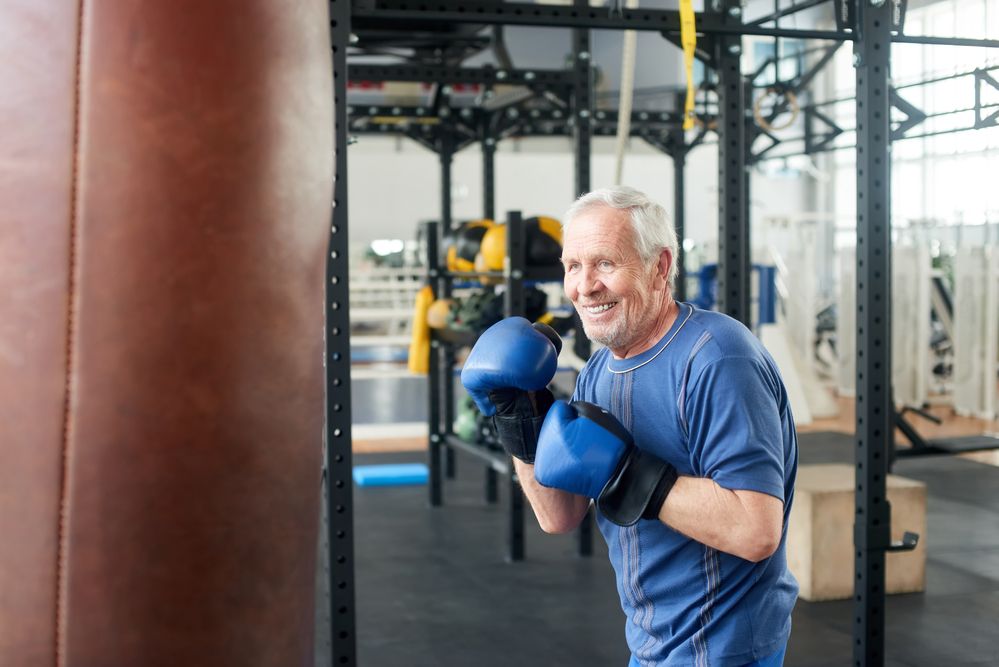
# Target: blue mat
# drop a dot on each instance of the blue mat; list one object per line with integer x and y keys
{"x": 390, "y": 474}
{"x": 368, "y": 355}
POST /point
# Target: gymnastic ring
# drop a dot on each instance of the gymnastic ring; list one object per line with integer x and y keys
{"x": 792, "y": 101}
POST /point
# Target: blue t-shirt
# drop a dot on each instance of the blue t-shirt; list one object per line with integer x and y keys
{"x": 709, "y": 399}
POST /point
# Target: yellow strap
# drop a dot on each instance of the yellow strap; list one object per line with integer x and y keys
{"x": 688, "y": 38}
{"x": 419, "y": 346}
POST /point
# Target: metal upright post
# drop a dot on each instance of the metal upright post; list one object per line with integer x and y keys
{"x": 446, "y": 155}
{"x": 446, "y": 351}
{"x": 582, "y": 108}
{"x": 582, "y": 135}
{"x": 733, "y": 228}
{"x": 489, "y": 212}
{"x": 750, "y": 132}
{"x": 489, "y": 177}
{"x": 339, "y": 509}
{"x": 514, "y": 304}
{"x": 679, "y": 154}
{"x": 874, "y": 404}
{"x": 432, "y": 235}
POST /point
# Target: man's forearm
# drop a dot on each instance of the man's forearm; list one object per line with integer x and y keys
{"x": 557, "y": 511}
{"x": 742, "y": 523}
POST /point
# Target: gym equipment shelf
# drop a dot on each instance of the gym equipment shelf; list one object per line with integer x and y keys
{"x": 443, "y": 343}
{"x": 455, "y": 337}
{"x": 498, "y": 462}
{"x": 538, "y": 274}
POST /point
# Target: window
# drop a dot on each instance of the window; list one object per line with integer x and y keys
{"x": 943, "y": 174}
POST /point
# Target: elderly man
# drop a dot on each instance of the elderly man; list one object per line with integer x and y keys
{"x": 679, "y": 430}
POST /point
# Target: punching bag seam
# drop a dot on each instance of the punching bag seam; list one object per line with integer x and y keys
{"x": 72, "y": 281}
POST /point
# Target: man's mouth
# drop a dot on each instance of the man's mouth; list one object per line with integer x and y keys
{"x": 600, "y": 308}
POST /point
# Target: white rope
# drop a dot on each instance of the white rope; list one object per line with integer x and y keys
{"x": 627, "y": 95}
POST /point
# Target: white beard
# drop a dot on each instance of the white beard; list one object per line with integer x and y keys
{"x": 611, "y": 335}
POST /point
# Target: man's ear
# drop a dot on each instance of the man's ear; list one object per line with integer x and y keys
{"x": 664, "y": 265}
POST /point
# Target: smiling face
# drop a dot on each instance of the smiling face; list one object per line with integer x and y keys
{"x": 623, "y": 301}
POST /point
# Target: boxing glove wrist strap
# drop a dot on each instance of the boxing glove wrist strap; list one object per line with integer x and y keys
{"x": 637, "y": 489}
{"x": 518, "y": 419}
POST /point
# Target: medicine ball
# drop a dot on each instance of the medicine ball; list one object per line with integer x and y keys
{"x": 543, "y": 238}
{"x": 437, "y": 314}
{"x": 465, "y": 424}
{"x": 467, "y": 240}
{"x": 482, "y": 267}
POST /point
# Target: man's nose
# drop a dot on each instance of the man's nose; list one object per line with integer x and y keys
{"x": 589, "y": 281}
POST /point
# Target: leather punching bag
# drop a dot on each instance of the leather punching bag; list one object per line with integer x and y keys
{"x": 166, "y": 174}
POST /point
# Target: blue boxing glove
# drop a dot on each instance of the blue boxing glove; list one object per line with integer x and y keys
{"x": 507, "y": 375}
{"x": 583, "y": 449}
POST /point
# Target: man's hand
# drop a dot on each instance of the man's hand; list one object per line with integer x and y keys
{"x": 583, "y": 449}
{"x": 507, "y": 375}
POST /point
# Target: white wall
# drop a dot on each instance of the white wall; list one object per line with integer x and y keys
{"x": 395, "y": 183}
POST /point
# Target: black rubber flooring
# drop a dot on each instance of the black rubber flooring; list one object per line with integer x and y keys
{"x": 434, "y": 590}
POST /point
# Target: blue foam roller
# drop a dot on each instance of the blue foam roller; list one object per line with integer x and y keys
{"x": 362, "y": 355}
{"x": 391, "y": 474}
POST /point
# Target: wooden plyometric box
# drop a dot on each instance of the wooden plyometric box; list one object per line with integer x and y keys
{"x": 820, "y": 534}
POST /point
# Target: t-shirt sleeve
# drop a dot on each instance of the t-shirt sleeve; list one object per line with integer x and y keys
{"x": 734, "y": 427}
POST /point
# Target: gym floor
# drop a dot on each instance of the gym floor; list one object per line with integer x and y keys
{"x": 433, "y": 588}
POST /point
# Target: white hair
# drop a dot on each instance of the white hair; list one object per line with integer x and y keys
{"x": 652, "y": 225}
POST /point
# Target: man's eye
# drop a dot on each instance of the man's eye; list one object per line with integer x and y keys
{"x": 605, "y": 265}
{"x": 572, "y": 267}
